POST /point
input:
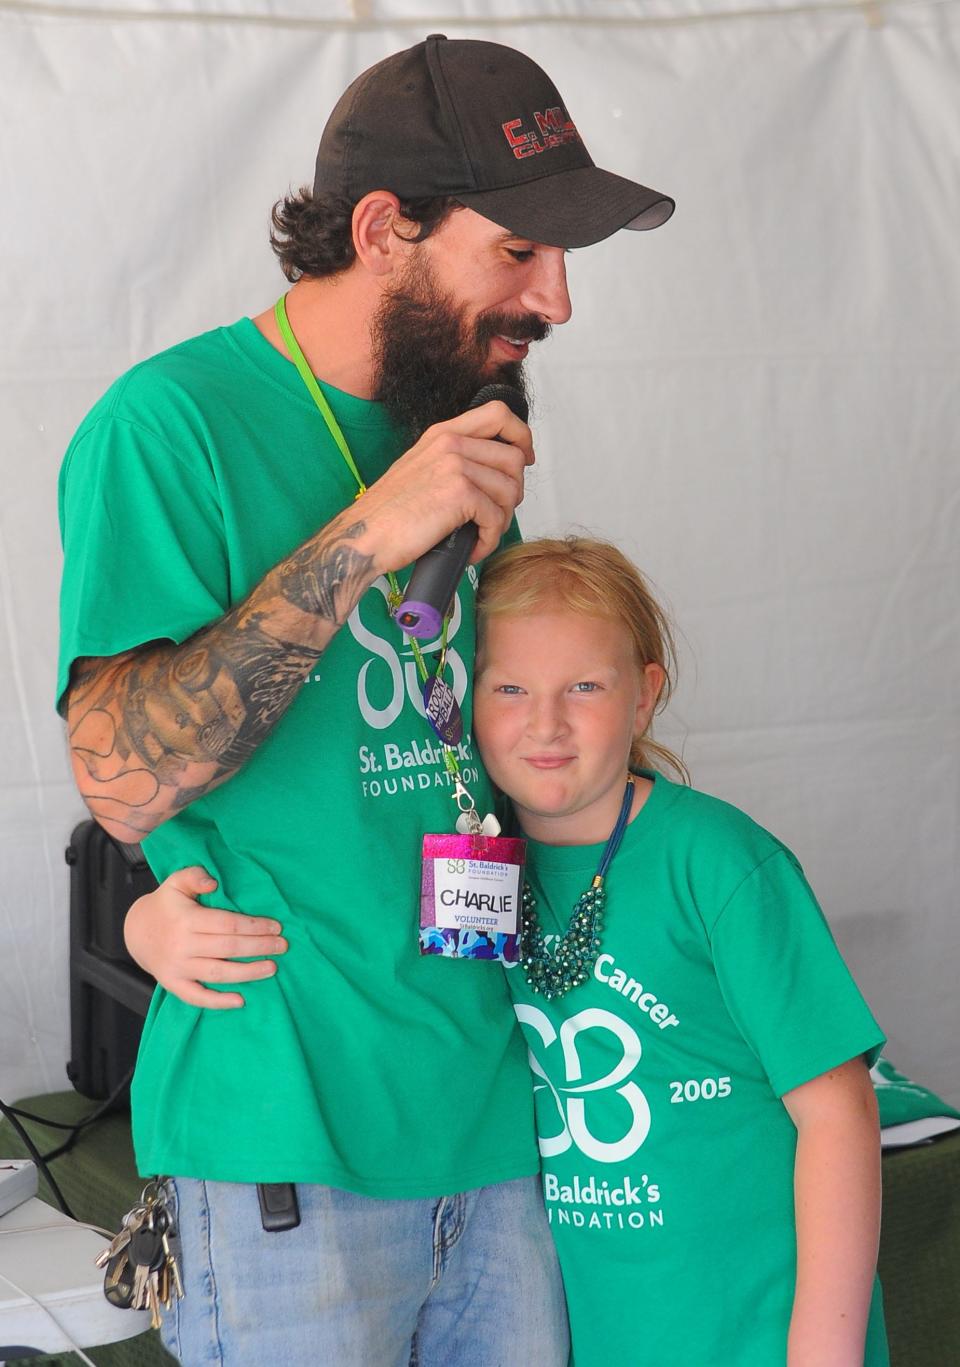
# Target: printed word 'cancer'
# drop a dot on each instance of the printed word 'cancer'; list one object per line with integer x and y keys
{"x": 605, "y": 971}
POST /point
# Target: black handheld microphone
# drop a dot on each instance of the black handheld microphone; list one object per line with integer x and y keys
{"x": 437, "y": 572}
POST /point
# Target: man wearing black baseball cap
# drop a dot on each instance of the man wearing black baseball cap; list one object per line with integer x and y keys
{"x": 215, "y": 549}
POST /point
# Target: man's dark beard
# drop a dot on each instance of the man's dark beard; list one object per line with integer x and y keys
{"x": 428, "y": 362}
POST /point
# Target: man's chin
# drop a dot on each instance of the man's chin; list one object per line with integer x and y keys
{"x": 504, "y": 372}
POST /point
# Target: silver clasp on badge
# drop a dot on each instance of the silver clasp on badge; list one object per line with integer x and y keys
{"x": 463, "y": 797}
{"x": 468, "y": 823}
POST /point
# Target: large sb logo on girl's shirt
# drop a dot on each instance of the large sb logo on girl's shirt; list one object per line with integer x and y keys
{"x": 391, "y": 677}
{"x": 574, "y": 1097}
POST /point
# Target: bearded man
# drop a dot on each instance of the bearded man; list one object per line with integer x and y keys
{"x": 239, "y": 697}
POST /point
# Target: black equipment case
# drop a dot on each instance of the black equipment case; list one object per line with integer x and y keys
{"x": 109, "y": 993}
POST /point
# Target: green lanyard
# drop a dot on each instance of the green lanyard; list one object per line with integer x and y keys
{"x": 461, "y": 793}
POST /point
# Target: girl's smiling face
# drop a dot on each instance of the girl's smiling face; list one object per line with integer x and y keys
{"x": 558, "y": 699}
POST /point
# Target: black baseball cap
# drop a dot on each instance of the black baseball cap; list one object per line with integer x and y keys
{"x": 484, "y": 124}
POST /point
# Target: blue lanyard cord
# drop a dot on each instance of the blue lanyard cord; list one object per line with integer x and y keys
{"x": 616, "y": 835}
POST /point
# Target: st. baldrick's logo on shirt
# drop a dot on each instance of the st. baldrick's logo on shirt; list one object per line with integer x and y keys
{"x": 557, "y": 1058}
{"x": 388, "y": 681}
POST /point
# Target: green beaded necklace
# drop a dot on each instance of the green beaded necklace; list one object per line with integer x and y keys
{"x": 576, "y": 953}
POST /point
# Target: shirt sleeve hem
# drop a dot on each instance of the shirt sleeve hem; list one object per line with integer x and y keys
{"x": 869, "y": 1050}
{"x": 85, "y": 649}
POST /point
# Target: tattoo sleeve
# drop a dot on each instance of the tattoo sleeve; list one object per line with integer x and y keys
{"x": 156, "y": 728}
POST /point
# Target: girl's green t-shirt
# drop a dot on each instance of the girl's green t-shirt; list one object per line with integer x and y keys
{"x": 666, "y": 1151}
{"x": 361, "y": 1064}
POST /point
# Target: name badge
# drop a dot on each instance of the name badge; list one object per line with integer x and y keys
{"x": 470, "y": 893}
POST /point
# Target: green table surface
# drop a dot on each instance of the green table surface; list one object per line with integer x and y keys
{"x": 920, "y": 1253}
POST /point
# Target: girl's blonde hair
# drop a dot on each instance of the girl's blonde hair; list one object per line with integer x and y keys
{"x": 581, "y": 574}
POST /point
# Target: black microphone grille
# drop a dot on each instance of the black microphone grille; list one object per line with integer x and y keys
{"x": 506, "y": 393}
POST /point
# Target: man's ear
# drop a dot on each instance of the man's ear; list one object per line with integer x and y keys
{"x": 380, "y": 249}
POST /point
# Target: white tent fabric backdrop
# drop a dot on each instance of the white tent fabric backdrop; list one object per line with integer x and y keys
{"x": 760, "y": 401}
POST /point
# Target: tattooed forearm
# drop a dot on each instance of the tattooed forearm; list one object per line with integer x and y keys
{"x": 153, "y": 730}
{"x": 322, "y": 588}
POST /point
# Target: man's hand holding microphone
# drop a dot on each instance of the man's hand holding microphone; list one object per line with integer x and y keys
{"x": 466, "y": 470}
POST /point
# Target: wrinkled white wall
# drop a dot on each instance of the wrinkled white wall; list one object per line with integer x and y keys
{"x": 761, "y": 401}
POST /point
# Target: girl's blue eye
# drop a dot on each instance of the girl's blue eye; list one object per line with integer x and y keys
{"x": 585, "y": 687}
{"x": 510, "y": 689}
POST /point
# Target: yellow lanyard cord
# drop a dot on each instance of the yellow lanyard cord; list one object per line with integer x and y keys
{"x": 314, "y": 390}
{"x": 326, "y": 412}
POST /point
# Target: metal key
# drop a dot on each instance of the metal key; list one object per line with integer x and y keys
{"x": 158, "y": 1280}
{"x": 171, "y": 1246}
{"x": 153, "y": 1298}
{"x": 158, "y": 1194}
{"x": 163, "y": 1285}
{"x": 146, "y": 1255}
{"x": 131, "y": 1221}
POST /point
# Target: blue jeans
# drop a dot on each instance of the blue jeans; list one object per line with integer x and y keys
{"x": 463, "y": 1281}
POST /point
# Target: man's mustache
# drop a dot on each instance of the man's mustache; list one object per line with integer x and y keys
{"x": 525, "y": 325}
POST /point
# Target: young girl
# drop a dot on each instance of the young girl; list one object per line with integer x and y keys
{"x": 700, "y": 1053}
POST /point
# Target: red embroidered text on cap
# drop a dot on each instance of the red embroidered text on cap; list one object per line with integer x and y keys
{"x": 554, "y": 130}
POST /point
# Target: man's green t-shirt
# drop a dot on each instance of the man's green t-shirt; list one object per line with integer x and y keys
{"x": 361, "y": 1064}
{"x": 667, "y": 1154}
